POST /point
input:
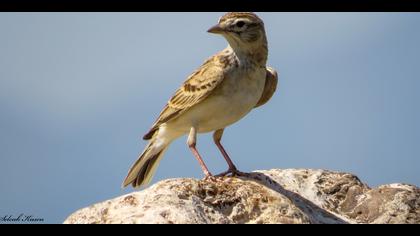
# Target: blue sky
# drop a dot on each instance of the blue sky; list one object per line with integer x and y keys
{"x": 78, "y": 91}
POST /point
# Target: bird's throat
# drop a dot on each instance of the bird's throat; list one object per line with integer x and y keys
{"x": 257, "y": 53}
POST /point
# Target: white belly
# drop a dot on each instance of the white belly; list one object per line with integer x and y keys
{"x": 235, "y": 98}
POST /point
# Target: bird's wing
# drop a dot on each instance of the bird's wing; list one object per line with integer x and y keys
{"x": 195, "y": 89}
{"x": 269, "y": 87}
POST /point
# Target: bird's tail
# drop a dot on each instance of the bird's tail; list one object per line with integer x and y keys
{"x": 142, "y": 171}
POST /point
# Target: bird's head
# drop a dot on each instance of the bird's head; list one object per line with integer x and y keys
{"x": 243, "y": 30}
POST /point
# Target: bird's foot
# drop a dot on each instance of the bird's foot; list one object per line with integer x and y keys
{"x": 211, "y": 178}
{"x": 232, "y": 172}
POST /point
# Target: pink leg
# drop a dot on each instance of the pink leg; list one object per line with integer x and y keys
{"x": 217, "y": 136}
{"x": 192, "y": 145}
{"x": 200, "y": 161}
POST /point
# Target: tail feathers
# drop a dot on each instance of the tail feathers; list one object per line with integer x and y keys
{"x": 142, "y": 171}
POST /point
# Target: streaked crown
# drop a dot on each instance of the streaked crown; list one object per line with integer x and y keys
{"x": 245, "y": 34}
{"x": 241, "y": 28}
{"x": 236, "y": 16}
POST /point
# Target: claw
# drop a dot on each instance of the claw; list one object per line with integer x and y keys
{"x": 210, "y": 178}
{"x": 233, "y": 172}
{"x": 239, "y": 173}
{"x": 223, "y": 174}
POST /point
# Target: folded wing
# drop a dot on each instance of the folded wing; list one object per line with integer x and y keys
{"x": 269, "y": 88}
{"x": 194, "y": 90}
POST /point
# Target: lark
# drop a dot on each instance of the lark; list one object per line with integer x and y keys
{"x": 219, "y": 93}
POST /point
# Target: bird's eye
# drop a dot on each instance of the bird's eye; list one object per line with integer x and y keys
{"x": 240, "y": 24}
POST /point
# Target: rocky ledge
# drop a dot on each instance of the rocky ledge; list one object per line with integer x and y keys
{"x": 269, "y": 196}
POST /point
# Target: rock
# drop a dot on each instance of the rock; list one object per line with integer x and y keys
{"x": 273, "y": 196}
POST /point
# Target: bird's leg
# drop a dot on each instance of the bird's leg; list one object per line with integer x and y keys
{"x": 192, "y": 138}
{"x": 217, "y": 136}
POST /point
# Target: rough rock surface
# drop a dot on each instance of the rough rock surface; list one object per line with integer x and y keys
{"x": 272, "y": 196}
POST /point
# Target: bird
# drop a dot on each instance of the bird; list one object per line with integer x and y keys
{"x": 224, "y": 89}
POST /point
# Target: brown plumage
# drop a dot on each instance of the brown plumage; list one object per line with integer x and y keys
{"x": 186, "y": 98}
{"x": 219, "y": 93}
{"x": 269, "y": 87}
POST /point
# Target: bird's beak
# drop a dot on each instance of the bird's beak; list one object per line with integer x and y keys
{"x": 217, "y": 29}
